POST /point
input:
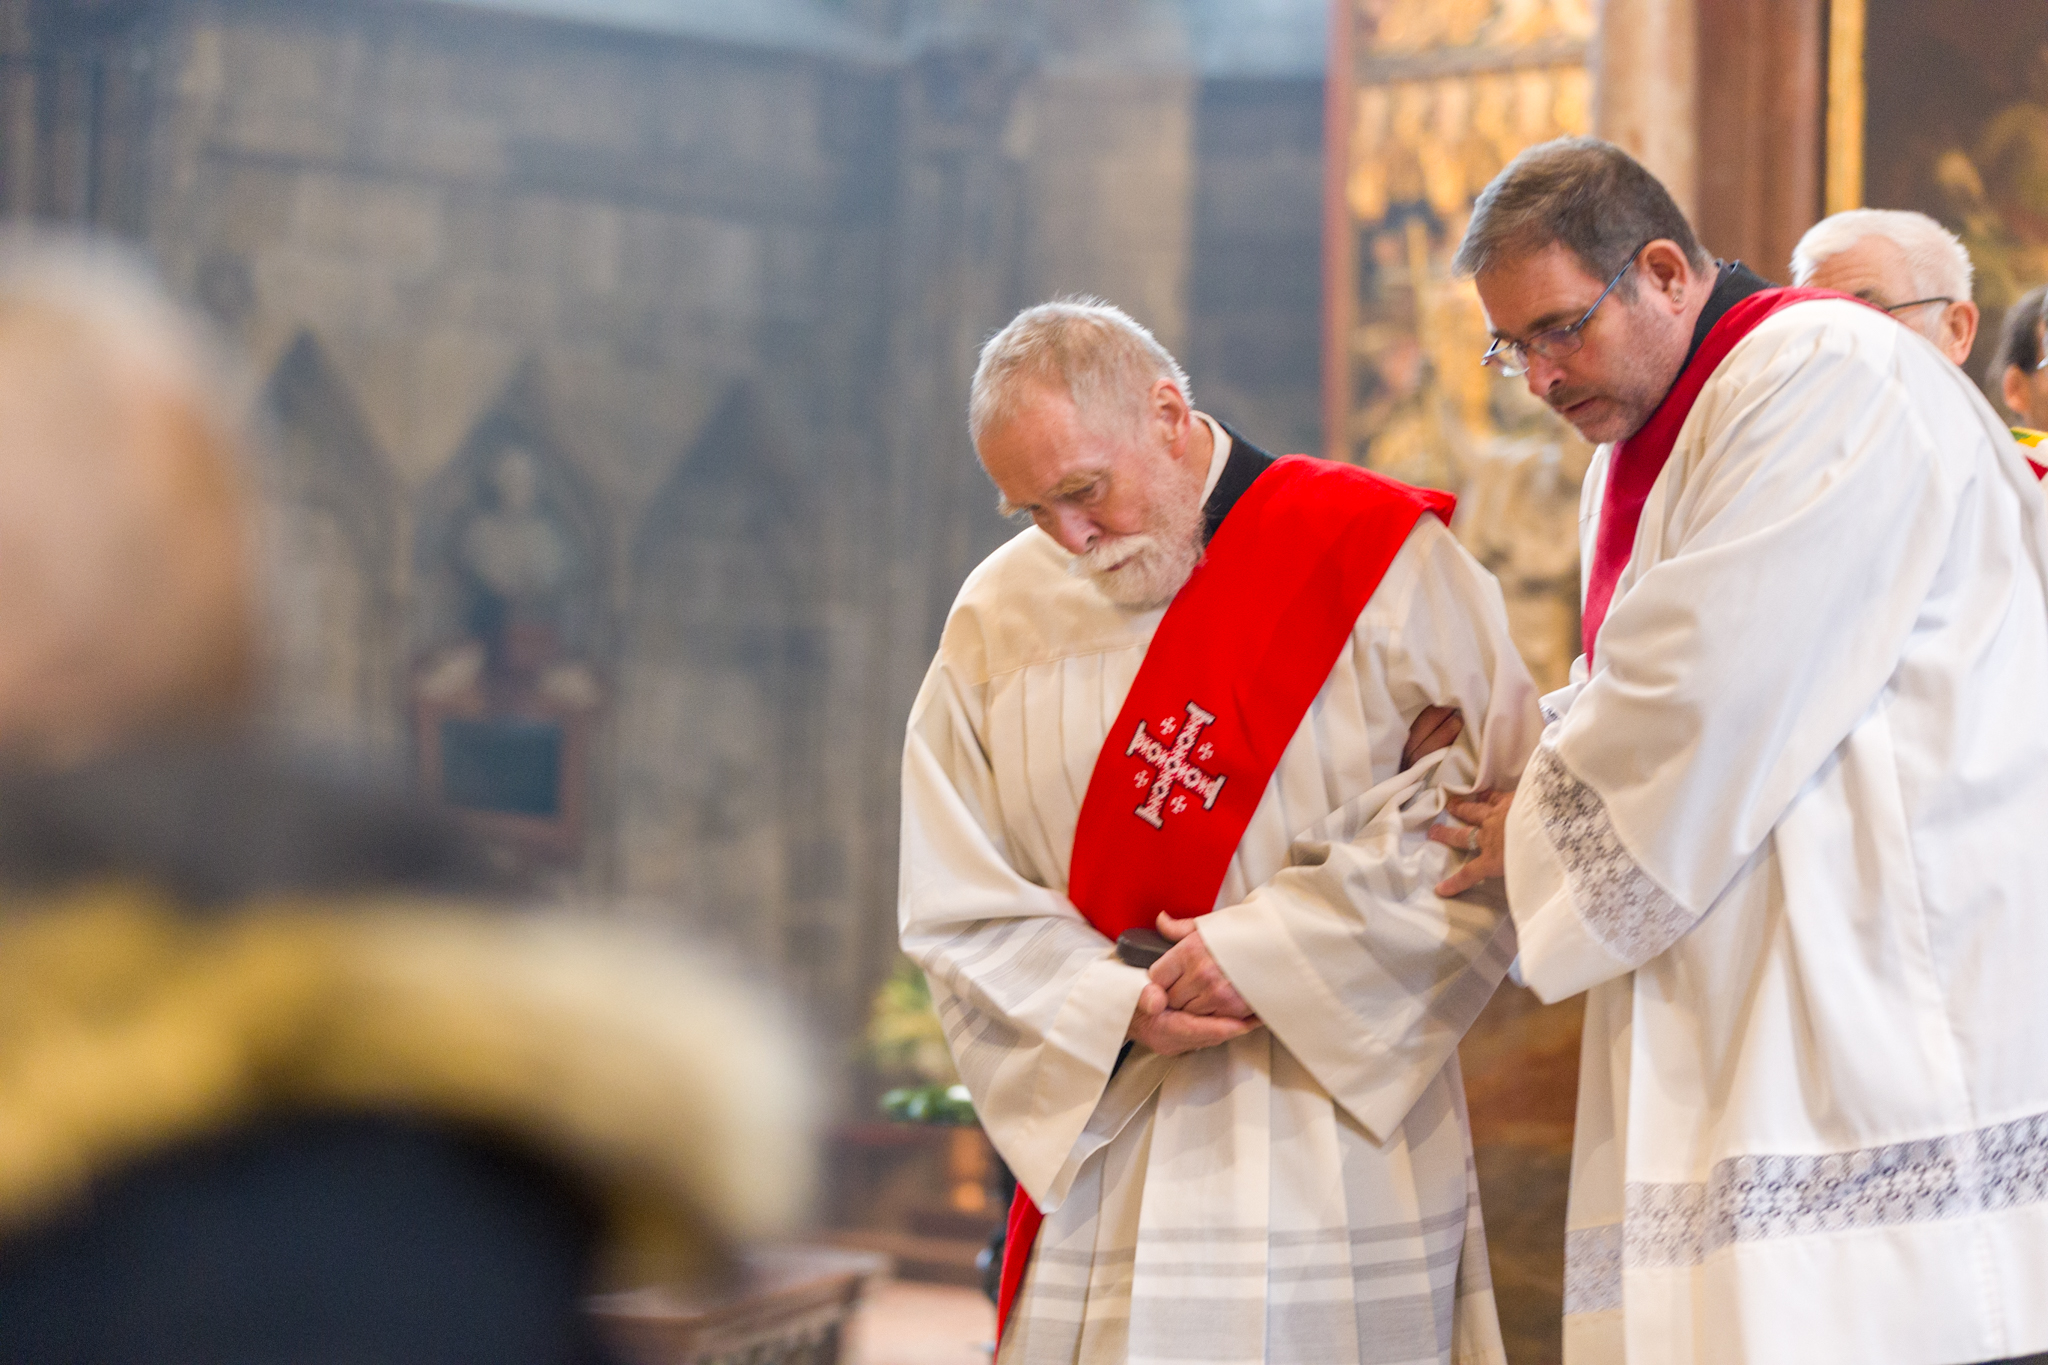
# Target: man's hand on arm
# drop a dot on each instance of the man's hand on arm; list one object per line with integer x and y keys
{"x": 1483, "y": 832}
{"x": 1438, "y": 727}
{"x": 1484, "y": 814}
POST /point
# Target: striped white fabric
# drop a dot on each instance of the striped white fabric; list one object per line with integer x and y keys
{"x": 1304, "y": 1193}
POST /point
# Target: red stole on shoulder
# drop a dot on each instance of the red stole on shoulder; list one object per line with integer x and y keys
{"x": 1243, "y": 649}
{"x": 1640, "y": 459}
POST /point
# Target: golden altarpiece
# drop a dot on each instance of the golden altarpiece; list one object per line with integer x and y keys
{"x": 1428, "y": 100}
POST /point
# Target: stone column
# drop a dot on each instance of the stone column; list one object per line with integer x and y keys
{"x": 1760, "y": 116}
{"x": 1645, "y": 67}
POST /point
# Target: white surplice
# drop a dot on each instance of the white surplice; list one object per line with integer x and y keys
{"x": 1301, "y": 1194}
{"x": 1790, "y": 835}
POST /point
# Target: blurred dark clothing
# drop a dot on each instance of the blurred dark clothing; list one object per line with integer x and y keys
{"x": 234, "y": 1136}
{"x": 330, "y": 1240}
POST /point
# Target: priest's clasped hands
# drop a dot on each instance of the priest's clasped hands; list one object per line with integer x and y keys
{"x": 1189, "y": 1003}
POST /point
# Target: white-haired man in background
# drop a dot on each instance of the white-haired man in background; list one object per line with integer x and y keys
{"x": 1919, "y": 272}
{"x": 1181, "y": 698}
{"x": 1900, "y": 261}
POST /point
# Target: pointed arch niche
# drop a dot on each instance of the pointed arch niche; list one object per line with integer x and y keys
{"x": 509, "y": 628}
{"x": 330, "y": 524}
{"x": 721, "y": 689}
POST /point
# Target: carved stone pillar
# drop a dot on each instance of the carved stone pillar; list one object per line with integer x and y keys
{"x": 1724, "y": 101}
{"x": 1763, "y": 97}
{"x": 1645, "y": 65}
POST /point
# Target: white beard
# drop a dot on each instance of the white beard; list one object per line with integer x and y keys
{"x": 1156, "y": 563}
{"x": 1154, "y": 569}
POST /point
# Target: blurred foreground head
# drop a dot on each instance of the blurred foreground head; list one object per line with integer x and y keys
{"x": 282, "y": 1082}
{"x": 125, "y": 594}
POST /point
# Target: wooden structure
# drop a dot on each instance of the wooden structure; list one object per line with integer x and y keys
{"x": 791, "y": 1306}
{"x": 925, "y": 1195}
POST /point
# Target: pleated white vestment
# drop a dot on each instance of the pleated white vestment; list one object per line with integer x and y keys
{"x": 1304, "y": 1193}
{"x": 1792, "y": 836}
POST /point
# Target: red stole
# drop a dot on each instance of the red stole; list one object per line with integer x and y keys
{"x": 1241, "y": 652}
{"x": 1640, "y": 459}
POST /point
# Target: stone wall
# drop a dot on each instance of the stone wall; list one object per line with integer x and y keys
{"x": 623, "y": 373}
{"x": 1255, "y": 289}
{"x": 657, "y": 268}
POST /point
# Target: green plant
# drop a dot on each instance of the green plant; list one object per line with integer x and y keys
{"x": 904, "y": 1039}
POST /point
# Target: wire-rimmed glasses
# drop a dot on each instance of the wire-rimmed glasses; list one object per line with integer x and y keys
{"x": 1510, "y": 357}
{"x": 1898, "y": 308}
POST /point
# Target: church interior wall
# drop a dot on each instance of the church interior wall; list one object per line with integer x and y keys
{"x": 724, "y": 300}
{"x": 494, "y": 234}
{"x": 1255, "y": 283}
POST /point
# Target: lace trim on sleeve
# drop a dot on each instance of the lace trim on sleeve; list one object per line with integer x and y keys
{"x": 1629, "y": 914}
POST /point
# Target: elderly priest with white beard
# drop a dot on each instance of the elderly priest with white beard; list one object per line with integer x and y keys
{"x": 1192, "y": 696}
{"x": 1784, "y": 827}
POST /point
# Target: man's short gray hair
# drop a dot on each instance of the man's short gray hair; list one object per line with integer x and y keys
{"x": 1588, "y": 196}
{"x": 1102, "y": 357}
{"x": 1936, "y": 257}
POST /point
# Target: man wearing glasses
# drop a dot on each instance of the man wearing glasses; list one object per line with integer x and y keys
{"x": 1902, "y": 262}
{"x": 1884, "y": 255}
{"x": 1783, "y": 825}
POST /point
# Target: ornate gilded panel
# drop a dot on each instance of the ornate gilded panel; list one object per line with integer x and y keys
{"x": 1944, "y": 108}
{"x": 1440, "y": 95}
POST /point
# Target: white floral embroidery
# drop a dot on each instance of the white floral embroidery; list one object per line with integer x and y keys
{"x": 1755, "y": 1198}
{"x": 1633, "y": 918}
{"x": 1592, "y": 1269}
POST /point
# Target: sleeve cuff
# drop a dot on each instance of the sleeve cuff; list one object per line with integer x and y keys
{"x": 1376, "y": 1087}
{"x": 1559, "y": 956}
{"x": 1072, "y": 1070}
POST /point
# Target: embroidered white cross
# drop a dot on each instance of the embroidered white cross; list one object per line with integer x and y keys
{"x": 1172, "y": 766}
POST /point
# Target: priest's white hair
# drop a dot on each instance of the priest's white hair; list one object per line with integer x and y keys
{"x": 1104, "y": 358}
{"x": 1939, "y": 262}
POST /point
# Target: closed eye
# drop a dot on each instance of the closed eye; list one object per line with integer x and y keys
{"x": 1082, "y": 493}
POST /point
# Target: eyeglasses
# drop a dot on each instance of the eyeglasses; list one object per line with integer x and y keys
{"x": 1509, "y": 357}
{"x": 1897, "y": 308}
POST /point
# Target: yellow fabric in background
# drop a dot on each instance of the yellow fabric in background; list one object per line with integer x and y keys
{"x": 127, "y": 1026}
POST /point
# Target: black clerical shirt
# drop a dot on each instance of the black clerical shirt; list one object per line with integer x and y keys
{"x": 1733, "y": 282}
{"x": 1245, "y": 464}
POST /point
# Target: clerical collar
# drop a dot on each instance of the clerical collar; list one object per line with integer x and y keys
{"x": 1733, "y": 282}
{"x": 1219, "y": 453}
{"x": 1232, "y": 467}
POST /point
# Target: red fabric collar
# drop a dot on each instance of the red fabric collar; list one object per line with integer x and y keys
{"x": 1640, "y": 459}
